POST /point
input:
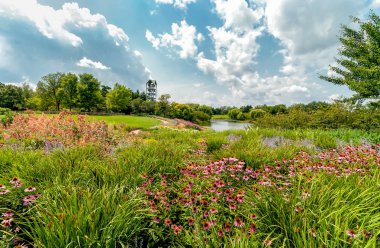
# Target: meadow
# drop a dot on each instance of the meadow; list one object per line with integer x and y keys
{"x": 67, "y": 182}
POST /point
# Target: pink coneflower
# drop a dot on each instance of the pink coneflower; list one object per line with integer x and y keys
{"x": 2, "y": 186}
{"x": 213, "y": 210}
{"x": 30, "y": 189}
{"x": 204, "y": 202}
{"x": 18, "y": 184}
{"x": 253, "y": 216}
{"x": 239, "y": 198}
{"x": 163, "y": 183}
{"x": 351, "y": 233}
{"x": 245, "y": 178}
{"x": 213, "y": 222}
{"x": 156, "y": 220}
{"x": 220, "y": 233}
{"x": 238, "y": 222}
{"x": 205, "y": 214}
{"x": 5, "y": 191}
{"x": 15, "y": 180}
{"x": 313, "y": 232}
{"x": 206, "y": 225}
{"x": 7, "y": 222}
{"x": 21, "y": 246}
{"x": 227, "y": 227}
{"x": 198, "y": 195}
{"x": 252, "y": 228}
{"x": 167, "y": 222}
{"x": 229, "y": 199}
{"x": 194, "y": 209}
{"x": 232, "y": 206}
{"x": 366, "y": 234}
{"x": 214, "y": 199}
{"x": 267, "y": 242}
{"x": 190, "y": 221}
{"x": 176, "y": 229}
{"x": 219, "y": 192}
{"x": 8, "y": 213}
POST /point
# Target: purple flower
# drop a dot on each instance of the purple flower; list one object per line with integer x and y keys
{"x": 8, "y": 213}
{"x": 30, "y": 189}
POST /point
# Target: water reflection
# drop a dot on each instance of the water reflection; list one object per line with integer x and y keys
{"x": 222, "y": 125}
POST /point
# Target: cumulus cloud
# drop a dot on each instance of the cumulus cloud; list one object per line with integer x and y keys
{"x": 182, "y": 39}
{"x": 44, "y": 40}
{"x": 88, "y": 63}
{"x": 307, "y": 31}
{"x": 181, "y": 4}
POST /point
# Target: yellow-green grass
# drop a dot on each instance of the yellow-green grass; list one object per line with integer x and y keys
{"x": 131, "y": 121}
{"x": 128, "y": 120}
{"x": 220, "y": 117}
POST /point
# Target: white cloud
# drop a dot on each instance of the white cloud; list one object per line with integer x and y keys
{"x": 54, "y": 23}
{"x": 45, "y": 40}
{"x": 308, "y": 30}
{"x": 88, "y": 63}
{"x": 182, "y": 39}
{"x": 181, "y": 4}
{"x": 375, "y": 4}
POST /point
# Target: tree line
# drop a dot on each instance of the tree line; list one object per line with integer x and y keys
{"x": 83, "y": 92}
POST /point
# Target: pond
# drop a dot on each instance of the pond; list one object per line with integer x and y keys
{"x": 222, "y": 125}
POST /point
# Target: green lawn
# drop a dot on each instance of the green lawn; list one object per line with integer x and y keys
{"x": 129, "y": 120}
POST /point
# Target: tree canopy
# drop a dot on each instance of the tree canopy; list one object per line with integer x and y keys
{"x": 359, "y": 63}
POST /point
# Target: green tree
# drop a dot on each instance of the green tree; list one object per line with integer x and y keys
{"x": 70, "y": 90}
{"x": 162, "y": 105}
{"x": 49, "y": 89}
{"x": 89, "y": 94}
{"x": 11, "y": 97}
{"x": 233, "y": 113}
{"x": 359, "y": 62}
{"x": 119, "y": 98}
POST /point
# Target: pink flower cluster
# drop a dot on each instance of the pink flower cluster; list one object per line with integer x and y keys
{"x": 62, "y": 128}
{"x": 204, "y": 197}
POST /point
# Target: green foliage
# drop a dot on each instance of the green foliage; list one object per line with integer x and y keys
{"x": 359, "y": 62}
{"x": 233, "y": 113}
{"x": 50, "y": 90}
{"x": 89, "y": 94}
{"x": 12, "y": 97}
{"x": 70, "y": 90}
{"x": 256, "y": 113}
{"x": 6, "y": 117}
{"x": 119, "y": 98}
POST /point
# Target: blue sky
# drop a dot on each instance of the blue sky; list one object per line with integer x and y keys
{"x": 217, "y": 52}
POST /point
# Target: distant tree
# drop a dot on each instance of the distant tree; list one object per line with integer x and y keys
{"x": 105, "y": 89}
{"x": 136, "y": 105}
{"x": 246, "y": 109}
{"x": 89, "y": 94}
{"x": 256, "y": 113}
{"x": 11, "y": 97}
{"x": 147, "y": 106}
{"x": 233, "y": 113}
{"x": 359, "y": 62}
{"x": 70, "y": 90}
{"x": 119, "y": 98}
{"x": 163, "y": 106}
{"x": 49, "y": 89}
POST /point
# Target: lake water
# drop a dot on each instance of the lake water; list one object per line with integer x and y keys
{"x": 222, "y": 125}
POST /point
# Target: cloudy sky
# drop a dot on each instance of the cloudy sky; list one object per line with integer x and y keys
{"x": 217, "y": 52}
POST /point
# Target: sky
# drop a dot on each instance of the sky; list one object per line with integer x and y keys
{"x": 215, "y": 52}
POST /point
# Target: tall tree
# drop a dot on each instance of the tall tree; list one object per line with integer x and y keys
{"x": 359, "y": 62}
{"x": 11, "y": 97}
{"x": 89, "y": 94}
{"x": 49, "y": 89}
{"x": 70, "y": 89}
{"x": 119, "y": 98}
